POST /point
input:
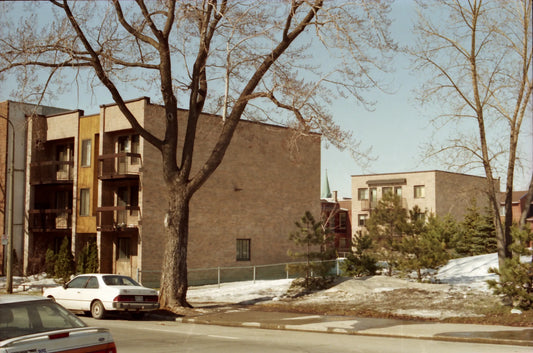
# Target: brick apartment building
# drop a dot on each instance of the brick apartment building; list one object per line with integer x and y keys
{"x": 337, "y": 214}
{"x": 434, "y": 192}
{"x": 518, "y": 205}
{"x": 91, "y": 177}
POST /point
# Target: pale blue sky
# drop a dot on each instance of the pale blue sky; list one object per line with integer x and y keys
{"x": 397, "y": 130}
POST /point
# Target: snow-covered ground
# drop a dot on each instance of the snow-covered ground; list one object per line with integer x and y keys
{"x": 468, "y": 273}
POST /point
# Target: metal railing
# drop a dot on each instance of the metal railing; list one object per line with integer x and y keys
{"x": 218, "y": 275}
{"x": 51, "y": 172}
{"x": 116, "y": 165}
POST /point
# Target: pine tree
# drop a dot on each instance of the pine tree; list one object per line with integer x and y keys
{"x": 50, "y": 262}
{"x": 387, "y": 224}
{"x": 361, "y": 262}
{"x": 477, "y": 234}
{"x": 516, "y": 277}
{"x": 318, "y": 244}
{"x": 88, "y": 258}
{"x": 425, "y": 246}
{"x": 64, "y": 264}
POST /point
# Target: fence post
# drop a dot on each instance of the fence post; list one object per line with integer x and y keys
{"x": 218, "y": 275}
{"x": 254, "y": 274}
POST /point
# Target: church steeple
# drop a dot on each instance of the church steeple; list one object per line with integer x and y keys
{"x": 326, "y": 192}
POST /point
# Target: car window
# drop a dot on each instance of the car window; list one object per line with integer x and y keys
{"x": 119, "y": 281}
{"x": 78, "y": 282}
{"x": 92, "y": 283}
{"x": 24, "y": 318}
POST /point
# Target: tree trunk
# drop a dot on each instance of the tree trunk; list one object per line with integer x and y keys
{"x": 174, "y": 282}
{"x": 527, "y": 204}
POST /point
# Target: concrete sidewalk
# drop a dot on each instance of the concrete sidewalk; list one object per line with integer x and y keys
{"x": 245, "y": 317}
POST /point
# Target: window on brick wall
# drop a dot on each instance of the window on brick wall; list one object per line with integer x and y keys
{"x": 343, "y": 216}
{"x": 243, "y": 249}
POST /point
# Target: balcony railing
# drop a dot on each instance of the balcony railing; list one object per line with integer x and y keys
{"x": 116, "y": 218}
{"x": 47, "y": 220}
{"x": 368, "y": 205}
{"x": 51, "y": 172}
{"x": 118, "y": 165}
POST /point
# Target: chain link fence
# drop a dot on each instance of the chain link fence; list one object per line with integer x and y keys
{"x": 218, "y": 275}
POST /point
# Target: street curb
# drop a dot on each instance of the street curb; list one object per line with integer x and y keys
{"x": 271, "y": 326}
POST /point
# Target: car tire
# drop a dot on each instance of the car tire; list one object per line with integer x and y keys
{"x": 97, "y": 310}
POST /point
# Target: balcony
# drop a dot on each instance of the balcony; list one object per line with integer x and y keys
{"x": 119, "y": 165}
{"x": 369, "y": 205}
{"x": 51, "y": 172}
{"x": 50, "y": 220}
{"x": 117, "y": 218}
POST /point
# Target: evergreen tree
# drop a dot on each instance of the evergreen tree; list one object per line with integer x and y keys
{"x": 361, "y": 262}
{"x": 477, "y": 234}
{"x": 515, "y": 282}
{"x": 64, "y": 264}
{"x": 88, "y": 258}
{"x": 50, "y": 262}
{"x": 318, "y": 244}
{"x": 387, "y": 224}
{"x": 425, "y": 246}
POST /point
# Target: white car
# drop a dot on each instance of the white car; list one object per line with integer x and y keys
{"x": 37, "y": 324}
{"x": 99, "y": 293}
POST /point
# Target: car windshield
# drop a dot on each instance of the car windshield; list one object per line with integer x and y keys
{"x": 28, "y": 317}
{"x": 119, "y": 281}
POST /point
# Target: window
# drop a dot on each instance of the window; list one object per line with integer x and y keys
{"x": 85, "y": 202}
{"x": 78, "y": 282}
{"x": 362, "y": 194}
{"x": 398, "y": 191}
{"x": 373, "y": 194}
{"x": 343, "y": 243}
{"x": 420, "y": 216}
{"x": 86, "y": 153}
{"x": 135, "y": 148}
{"x": 362, "y": 220}
{"x": 386, "y": 190}
{"x": 243, "y": 249}
{"x": 92, "y": 283}
{"x": 420, "y": 191}
{"x": 129, "y": 144}
{"x": 342, "y": 220}
{"x": 123, "y": 252}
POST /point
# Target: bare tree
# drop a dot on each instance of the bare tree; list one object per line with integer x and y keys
{"x": 477, "y": 55}
{"x": 241, "y": 59}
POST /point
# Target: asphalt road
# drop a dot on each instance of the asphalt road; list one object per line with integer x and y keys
{"x": 168, "y": 336}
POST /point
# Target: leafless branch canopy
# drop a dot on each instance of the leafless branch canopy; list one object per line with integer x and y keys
{"x": 256, "y": 60}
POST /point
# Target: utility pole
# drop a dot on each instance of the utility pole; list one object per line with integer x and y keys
{"x": 9, "y": 210}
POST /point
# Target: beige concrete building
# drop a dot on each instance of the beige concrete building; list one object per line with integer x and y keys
{"x": 12, "y": 153}
{"x": 93, "y": 178}
{"x": 434, "y": 192}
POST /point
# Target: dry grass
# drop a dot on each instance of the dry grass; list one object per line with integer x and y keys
{"x": 384, "y": 297}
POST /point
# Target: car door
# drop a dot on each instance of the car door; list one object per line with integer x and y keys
{"x": 70, "y": 296}
{"x": 88, "y": 293}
